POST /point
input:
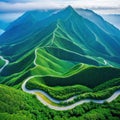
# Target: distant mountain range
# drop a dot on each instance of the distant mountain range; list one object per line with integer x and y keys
{"x": 86, "y": 34}
{"x": 113, "y": 19}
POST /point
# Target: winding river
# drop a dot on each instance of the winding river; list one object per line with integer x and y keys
{"x": 52, "y": 106}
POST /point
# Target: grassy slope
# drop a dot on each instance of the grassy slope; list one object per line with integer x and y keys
{"x": 49, "y": 61}
{"x": 67, "y": 75}
{"x": 108, "y": 84}
{"x": 95, "y": 45}
{"x": 17, "y": 71}
{"x": 18, "y": 49}
{"x": 70, "y": 56}
{"x": 47, "y": 65}
{"x": 17, "y": 105}
{"x": 1, "y": 63}
{"x": 23, "y": 64}
{"x": 90, "y": 77}
{"x": 76, "y": 81}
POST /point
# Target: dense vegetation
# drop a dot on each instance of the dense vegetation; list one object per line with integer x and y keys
{"x": 17, "y": 105}
{"x": 99, "y": 92}
{"x": 77, "y": 82}
{"x": 95, "y": 76}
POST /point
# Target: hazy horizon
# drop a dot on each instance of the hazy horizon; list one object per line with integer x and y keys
{"x": 11, "y": 10}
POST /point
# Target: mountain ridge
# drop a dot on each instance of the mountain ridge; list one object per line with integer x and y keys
{"x": 62, "y": 35}
{"x": 67, "y": 25}
{"x": 98, "y": 20}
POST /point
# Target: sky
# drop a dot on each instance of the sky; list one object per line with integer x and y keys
{"x": 12, "y": 9}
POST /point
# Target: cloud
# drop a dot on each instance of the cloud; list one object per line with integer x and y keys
{"x": 25, "y": 5}
{"x": 16, "y": 1}
{"x": 22, "y": 7}
{"x": 12, "y": 9}
{"x": 9, "y": 17}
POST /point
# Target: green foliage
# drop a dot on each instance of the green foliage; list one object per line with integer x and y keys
{"x": 90, "y": 77}
{"x": 23, "y": 64}
{"x": 1, "y": 63}
{"x": 63, "y": 87}
{"x": 59, "y": 92}
{"x": 100, "y": 94}
{"x": 108, "y": 84}
{"x": 48, "y": 61}
{"x": 17, "y": 105}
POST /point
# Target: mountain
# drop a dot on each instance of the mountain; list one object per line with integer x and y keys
{"x": 113, "y": 19}
{"x": 54, "y": 31}
{"x": 3, "y": 24}
{"x": 57, "y": 37}
{"x": 63, "y": 54}
{"x": 23, "y": 25}
{"x": 31, "y": 17}
{"x": 99, "y": 21}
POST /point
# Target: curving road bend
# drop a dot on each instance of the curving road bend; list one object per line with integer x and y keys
{"x": 62, "y": 108}
{"x": 59, "y": 108}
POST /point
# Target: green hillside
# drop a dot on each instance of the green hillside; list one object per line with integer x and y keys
{"x": 80, "y": 79}
{"x": 42, "y": 63}
{"x": 98, "y": 76}
{"x": 61, "y": 31}
{"x": 24, "y": 63}
{"x": 99, "y": 21}
{"x": 49, "y": 61}
{"x": 1, "y": 63}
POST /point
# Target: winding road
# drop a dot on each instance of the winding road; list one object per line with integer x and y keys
{"x": 62, "y": 108}
{"x": 52, "y": 106}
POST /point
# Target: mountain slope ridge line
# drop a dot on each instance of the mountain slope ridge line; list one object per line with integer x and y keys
{"x": 59, "y": 108}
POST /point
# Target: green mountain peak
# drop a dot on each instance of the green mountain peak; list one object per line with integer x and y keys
{"x": 69, "y": 7}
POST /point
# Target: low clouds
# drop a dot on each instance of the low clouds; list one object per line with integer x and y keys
{"x": 8, "y": 17}
{"x": 11, "y": 9}
{"x": 25, "y": 5}
{"x": 15, "y": 1}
